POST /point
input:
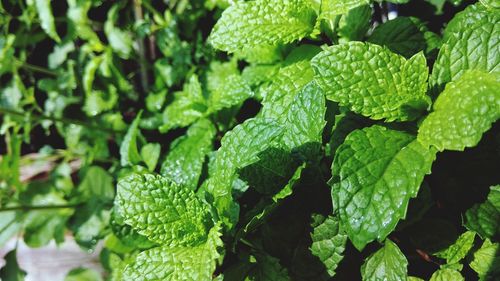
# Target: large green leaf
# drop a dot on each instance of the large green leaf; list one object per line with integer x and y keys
{"x": 177, "y": 263}
{"x": 187, "y": 154}
{"x": 472, "y": 43}
{"x": 163, "y": 211}
{"x": 329, "y": 244}
{"x": 485, "y": 218}
{"x": 253, "y": 23}
{"x": 387, "y": 264}
{"x": 463, "y": 112}
{"x": 375, "y": 173}
{"x": 373, "y": 81}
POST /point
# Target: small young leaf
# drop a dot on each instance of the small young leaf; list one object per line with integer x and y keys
{"x": 150, "y": 153}
{"x": 485, "y": 218}
{"x": 456, "y": 252}
{"x": 486, "y": 261}
{"x": 447, "y": 274}
{"x": 388, "y": 264}
{"x": 163, "y": 211}
{"x": 329, "y": 244}
{"x": 129, "y": 154}
{"x": 47, "y": 19}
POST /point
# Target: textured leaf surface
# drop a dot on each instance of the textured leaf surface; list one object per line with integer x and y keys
{"x": 373, "y": 81}
{"x": 485, "y": 218}
{"x": 375, "y": 173}
{"x": 46, "y": 18}
{"x": 459, "y": 249}
{"x": 447, "y": 274}
{"x": 463, "y": 112}
{"x": 403, "y": 35}
{"x": 239, "y": 148}
{"x": 187, "y": 154}
{"x": 177, "y": 263}
{"x": 187, "y": 107}
{"x": 306, "y": 118}
{"x": 486, "y": 261}
{"x": 387, "y": 264}
{"x": 472, "y": 43}
{"x": 329, "y": 244}
{"x": 250, "y": 24}
{"x": 286, "y": 84}
{"x": 331, "y": 8}
{"x": 163, "y": 211}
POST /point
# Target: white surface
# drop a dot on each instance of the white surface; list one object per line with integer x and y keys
{"x": 52, "y": 262}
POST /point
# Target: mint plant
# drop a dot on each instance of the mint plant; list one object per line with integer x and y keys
{"x": 254, "y": 140}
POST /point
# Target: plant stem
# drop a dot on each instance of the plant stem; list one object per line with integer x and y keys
{"x": 4, "y": 110}
{"x": 30, "y": 208}
{"x": 35, "y": 68}
{"x": 142, "y": 50}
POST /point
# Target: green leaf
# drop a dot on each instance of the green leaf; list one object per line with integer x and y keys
{"x": 97, "y": 102}
{"x": 485, "y": 218}
{"x": 447, "y": 274}
{"x": 89, "y": 73}
{"x": 129, "y": 155}
{"x": 90, "y": 223}
{"x": 11, "y": 270}
{"x": 403, "y": 35}
{"x": 120, "y": 40}
{"x": 60, "y": 54}
{"x": 187, "y": 154}
{"x": 226, "y": 86}
{"x": 329, "y": 244}
{"x": 150, "y": 153}
{"x": 83, "y": 274}
{"x": 306, "y": 120}
{"x": 46, "y": 18}
{"x": 239, "y": 148}
{"x": 187, "y": 107}
{"x": 375, "y": 173}
{"x": 279, "y": 95}
{"x": 97, "y": 182}
{"x": 271, "y": 22}
{"x": 491, "y": 4}
{"x": 471, "y": 44}
{"x": 177, "y": 263}
{"x": 486, "y": 261}
{"x": 163, "y": 211}
{"x": 332, "y": 8}
{"x": 373, "y": 81}
{"x": 388, "y": 264}
{"x": 456, "y": 252}
{"x": 10, "y": 225}
{"x": 267, "y": 206}
{"x": 463, "y": 112}
{"x": 6, "y": 53}
{"x": 354, "y": 25}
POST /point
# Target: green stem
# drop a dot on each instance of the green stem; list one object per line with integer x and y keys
{"x": 36, "y": 68}
{"x": 30, "y": 208}
{"x": 57, "y": 119}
